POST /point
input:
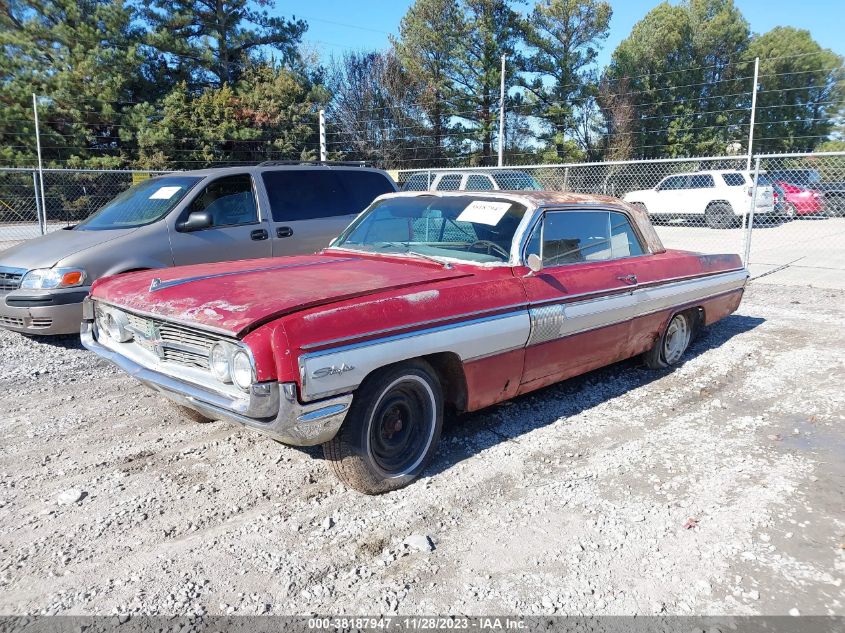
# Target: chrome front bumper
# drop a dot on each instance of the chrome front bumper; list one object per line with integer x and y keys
{"x": 271, "y": 408}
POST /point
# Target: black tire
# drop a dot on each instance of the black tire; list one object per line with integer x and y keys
{"x": 190, "y": 414}
{"x": 720, "y": 216}
{"x": 668, "y": 350}
{"x": 391, "y": 431}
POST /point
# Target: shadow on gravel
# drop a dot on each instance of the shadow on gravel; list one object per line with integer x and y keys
{"x": 65, "y": 341}
{"x": 508, "y": 421}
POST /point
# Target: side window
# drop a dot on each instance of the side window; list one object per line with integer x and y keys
{"x": 417, "y": 182}
{"x": 305, "y": 194}
{"x": 623, "y": 240}
{"x": 362, "y": 187}
{"x": 733, "y": 180}
{"x": 450, "y": 182}
{"x": 672, "y": 183}
{"x": 477, "y": 182}
{"x": 575, "y": 236}
{"x": 701, "y": 181}
{"x": 229, "y": 200}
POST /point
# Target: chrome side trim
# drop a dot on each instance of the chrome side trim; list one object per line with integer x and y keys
{"x": 468, "y": 339}
{"x": 161, "y": 285}
{"x": 271, "y": 408}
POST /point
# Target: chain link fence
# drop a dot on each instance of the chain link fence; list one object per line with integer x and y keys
{"x": 784, "y": 213}
{"x": 70, "y": 195}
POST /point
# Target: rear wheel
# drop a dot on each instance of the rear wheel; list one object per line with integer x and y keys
{"x": 670, "y": 347}
{"x": 391, "y": 431}
{"x": 720, "y": 216}
{"x": 789, "y": 211}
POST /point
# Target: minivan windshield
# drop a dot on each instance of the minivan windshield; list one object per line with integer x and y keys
{"x": 141, "y": 204}
{"x": 466, "y": 228}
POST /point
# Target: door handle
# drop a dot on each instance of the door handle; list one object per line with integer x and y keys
{"x": 258, "y": 235}
{"x": 628, "y": 279}
{"x": 284, "y": 231}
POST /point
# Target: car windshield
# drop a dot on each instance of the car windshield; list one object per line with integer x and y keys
{"x": 516, "y": 181}
{"x": 142, "y": 204}
{"x": 468, "y": 228}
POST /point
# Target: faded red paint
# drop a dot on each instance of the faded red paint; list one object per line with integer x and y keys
{"x": 285, "y": 307}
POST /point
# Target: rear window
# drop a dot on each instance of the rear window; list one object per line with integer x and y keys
{"x": 307, "y": 194}
{"x": 417, "y": 182}
{"x": 701, "y": 181}
{"x": 450, "y": 182}
{"x": 733, "y": 180}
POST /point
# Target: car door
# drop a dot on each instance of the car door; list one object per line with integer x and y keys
{"x": 669, "y": 196}
{"x": 236, "y": 231}
{"x": 581, "y": 302}
{"x": 311, "y": 206}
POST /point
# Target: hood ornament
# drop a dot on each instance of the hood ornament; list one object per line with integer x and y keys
{"x": 154, "y": 284}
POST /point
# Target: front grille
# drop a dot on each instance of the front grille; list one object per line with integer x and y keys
{"x": 40, "y": 322}
{"x": 174, "y": 343}
{"x": 10, "y": 279}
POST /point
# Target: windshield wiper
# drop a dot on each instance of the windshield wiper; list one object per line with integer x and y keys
{"x": 408, "y": 251}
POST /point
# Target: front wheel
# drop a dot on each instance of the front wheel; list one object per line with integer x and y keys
{"x": 391, "y": 431}
{"x": 672, "y": 344}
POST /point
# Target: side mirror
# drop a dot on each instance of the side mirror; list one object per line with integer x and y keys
{"x": 535, "y": 263}
{"x": 196, "y": 221}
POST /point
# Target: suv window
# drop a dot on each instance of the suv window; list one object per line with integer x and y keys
{"x": 477, "y": 182}
{"x": 673, "y": 182}
{"x": 362, "y": 187}
{"x": 229, "y": 200}
{"x": 623, "y": 240}
{"x": 733, "y": 180}
{"x": 307, "y": 194}
{"x": 450, "y": 182}
{"x": 701, "y": 181}
{"x": 417, "y": 182}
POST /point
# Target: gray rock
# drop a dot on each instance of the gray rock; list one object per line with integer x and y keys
{"x": 419, "y": 542}
{"x": 72, "y": 495}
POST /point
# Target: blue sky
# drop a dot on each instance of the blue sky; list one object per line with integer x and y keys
{"x": 335, "y": 25}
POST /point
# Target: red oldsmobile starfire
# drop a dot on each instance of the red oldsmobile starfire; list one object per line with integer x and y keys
{"x": 427, "y": 301}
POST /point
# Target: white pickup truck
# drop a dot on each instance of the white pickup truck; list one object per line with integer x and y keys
{"x": 719, "y": 197}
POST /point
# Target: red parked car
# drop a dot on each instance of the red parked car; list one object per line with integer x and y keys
{"x": 796, "y": 188}
{"x": 427, "y": 301}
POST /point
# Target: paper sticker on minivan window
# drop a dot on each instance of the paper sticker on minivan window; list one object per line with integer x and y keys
{"x": 164, "y": 193}
{"x": 484, "y": 212}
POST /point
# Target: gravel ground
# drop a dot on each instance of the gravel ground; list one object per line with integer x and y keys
{"x": 713, "y": 489}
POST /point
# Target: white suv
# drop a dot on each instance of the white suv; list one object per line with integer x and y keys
{"x": 720, "y": 197}
{"x": 489, "y": 180}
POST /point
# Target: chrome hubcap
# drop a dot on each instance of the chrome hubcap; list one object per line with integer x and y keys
{"x": 676, "y": 340}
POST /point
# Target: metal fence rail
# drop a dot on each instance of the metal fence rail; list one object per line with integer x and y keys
{"x": 784, "y": 213}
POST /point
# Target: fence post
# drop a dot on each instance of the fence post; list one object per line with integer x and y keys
{"x": 39, "y": 211}
{"x": 40, "y": 167}
{"x": 753, "y": 115}
{"x": 502, "y": 117}
{"x": 323, "y": 152}
{"x": 566, "y": 178}
{"x": 428, "y": 180}
{"x": 747, "y": 245}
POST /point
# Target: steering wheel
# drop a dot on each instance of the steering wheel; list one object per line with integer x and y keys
{"x": 491, "y": 246}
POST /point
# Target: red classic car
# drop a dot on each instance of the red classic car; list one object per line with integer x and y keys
{"x": 427, "y": 301}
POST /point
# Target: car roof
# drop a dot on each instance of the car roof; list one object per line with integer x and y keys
{"x": 527, "y": 197}
{"x": 222, "y": 171}
{"x": 710, "y": 171}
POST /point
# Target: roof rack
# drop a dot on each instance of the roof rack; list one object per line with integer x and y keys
{"x": 343, "y": 163}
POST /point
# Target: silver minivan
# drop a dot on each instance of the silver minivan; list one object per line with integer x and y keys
{"x": 190, "y": 217}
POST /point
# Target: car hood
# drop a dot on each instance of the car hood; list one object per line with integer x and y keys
{"x": 48, "y": 250}
{"x": 237, "y": 297}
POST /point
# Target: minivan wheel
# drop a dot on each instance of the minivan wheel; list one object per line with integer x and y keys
{"x": 671, "y": 345}
{"x": 391, "y": 431}
{"x": 720, "y": 216}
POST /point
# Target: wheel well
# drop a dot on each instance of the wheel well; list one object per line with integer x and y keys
{"x": 697, "y": 317}
{"x": 713, "y": 203}
{"x": 450, "y": 371}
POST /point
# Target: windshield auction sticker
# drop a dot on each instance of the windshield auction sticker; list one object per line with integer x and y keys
{"x": 164, "y": 193}
{"x": 484, "y": 212}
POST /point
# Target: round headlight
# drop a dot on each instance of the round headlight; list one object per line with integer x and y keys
{"x": 218, "y": 362}
{"x": 242, "y": 370}
{"x": 116, "y": 325}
